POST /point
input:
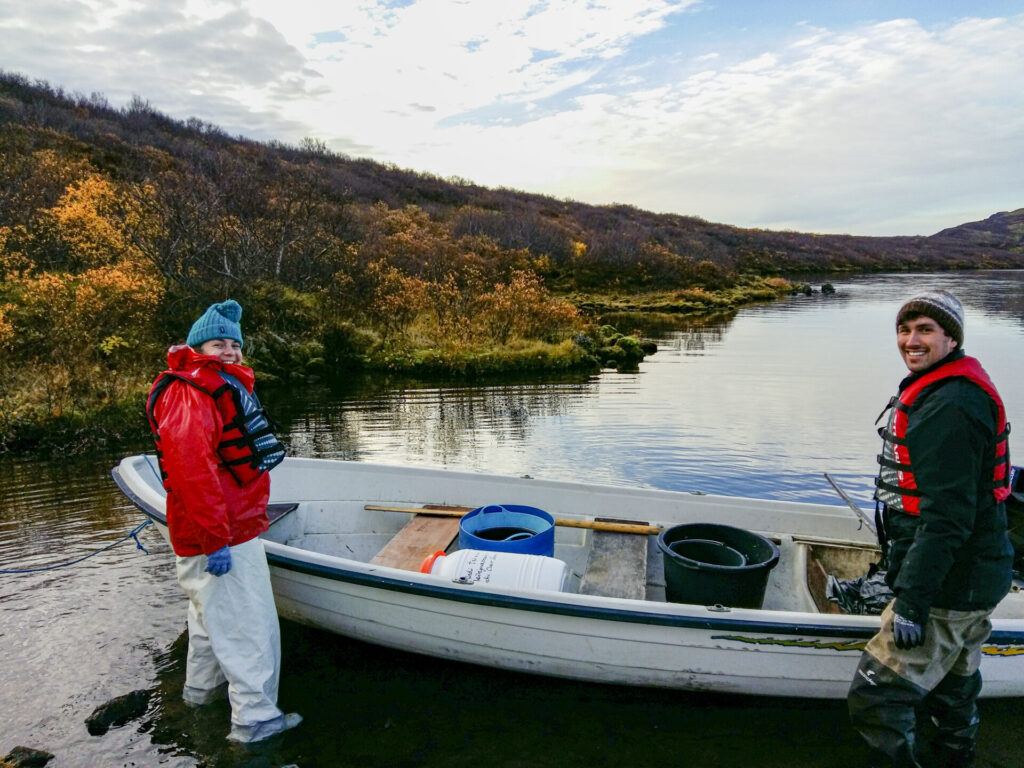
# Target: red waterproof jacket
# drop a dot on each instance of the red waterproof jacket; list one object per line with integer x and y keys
{"x": 207, "y": 509}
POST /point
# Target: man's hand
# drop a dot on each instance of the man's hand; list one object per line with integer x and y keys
{"x": 906, "y": 633}
{"x": 219, "y": 562}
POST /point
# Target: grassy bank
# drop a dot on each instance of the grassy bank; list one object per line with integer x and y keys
{"x": 86, "y": 420}
{"x": 685, "y": 300}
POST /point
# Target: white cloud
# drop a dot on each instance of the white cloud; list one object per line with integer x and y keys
{"x": 891, "y": 127}
{"x": 845, "y": 134}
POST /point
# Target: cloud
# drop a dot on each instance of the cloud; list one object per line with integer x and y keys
{"x": 184, "y": 57}
{"x": 885, "y": 128}
{"x": 845, "y": 132}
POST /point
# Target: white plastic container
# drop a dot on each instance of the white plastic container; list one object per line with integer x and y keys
{"x": 499, "y": 569}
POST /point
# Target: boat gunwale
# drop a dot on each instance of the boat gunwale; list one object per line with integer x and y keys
{"x": 854, "y": 627}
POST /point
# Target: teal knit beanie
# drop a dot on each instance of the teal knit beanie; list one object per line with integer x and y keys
{"x": 219, "y": 321}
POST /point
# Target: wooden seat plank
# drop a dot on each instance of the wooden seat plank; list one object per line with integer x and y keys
{"x": 423, "y": 535}
{"x": 617, "y": 566}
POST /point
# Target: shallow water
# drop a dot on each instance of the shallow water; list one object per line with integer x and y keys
{"x": 758, "y": 404}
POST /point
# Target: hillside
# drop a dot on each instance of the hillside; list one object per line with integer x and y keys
{"x": 583, "y": 246}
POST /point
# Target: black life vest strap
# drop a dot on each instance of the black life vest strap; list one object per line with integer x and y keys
{"x": 889, "y": 437}
{"x": 882, "y": 485}
{"x": 892, "y": 401}
{"x": 253, "y": 436}
{"x": 891, "y": 464}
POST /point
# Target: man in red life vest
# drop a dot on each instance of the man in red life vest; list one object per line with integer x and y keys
{"x": 215, "y": 449}
{"x": 941, "y": 488}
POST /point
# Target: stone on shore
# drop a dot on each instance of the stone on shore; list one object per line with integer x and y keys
{"x": 117, "y": 711}
{"x": 25, "y": 757}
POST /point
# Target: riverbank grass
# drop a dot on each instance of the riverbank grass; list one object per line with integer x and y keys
{"x": 684, "y": 300}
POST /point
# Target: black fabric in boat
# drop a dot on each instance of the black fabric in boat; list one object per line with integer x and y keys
{"x": 276, "y": 511}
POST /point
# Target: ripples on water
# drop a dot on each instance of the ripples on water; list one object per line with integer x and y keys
{"x": 759, "y": 404}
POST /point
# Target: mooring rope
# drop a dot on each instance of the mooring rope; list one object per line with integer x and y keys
{"x": 133, "y": 534}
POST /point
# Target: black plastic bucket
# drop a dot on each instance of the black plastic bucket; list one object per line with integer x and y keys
{"x": 708, "y": 552}
{"x": 711, "y": 564}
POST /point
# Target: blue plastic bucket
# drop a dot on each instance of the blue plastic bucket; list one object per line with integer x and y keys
{"x": 508, "y": 528}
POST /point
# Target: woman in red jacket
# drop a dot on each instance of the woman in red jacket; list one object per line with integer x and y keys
{"x": 215, "y": 449}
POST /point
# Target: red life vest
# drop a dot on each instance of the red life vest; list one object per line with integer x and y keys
{"x": 244, "y": 452}
{"x": 896, "y": 486}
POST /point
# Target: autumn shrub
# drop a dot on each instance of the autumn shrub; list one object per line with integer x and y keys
{"x": 348, "y": 347}
{"x": 397, "y": 300}
{"x": 269, "y": 305}
{"x": 78, "y": 331}
{"x": 523, "y": 308}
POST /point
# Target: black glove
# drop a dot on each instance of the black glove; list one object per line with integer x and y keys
{"x": 906, "y": 633}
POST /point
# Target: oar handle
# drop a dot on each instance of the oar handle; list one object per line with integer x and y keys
{"x": 445, "y": 510}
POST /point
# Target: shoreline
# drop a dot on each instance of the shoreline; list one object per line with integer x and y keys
{"x": 597, "y": 348}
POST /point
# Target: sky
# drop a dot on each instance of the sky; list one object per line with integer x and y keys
{"x": 869, "y": 117}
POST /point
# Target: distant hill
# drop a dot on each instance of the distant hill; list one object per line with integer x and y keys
{"x": 196, "y": 168}
{"x": 1001, "y": 230}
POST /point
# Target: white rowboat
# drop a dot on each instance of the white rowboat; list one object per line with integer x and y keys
{"x": 333, "y": 556}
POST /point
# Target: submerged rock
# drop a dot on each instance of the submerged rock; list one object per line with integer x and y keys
{"x": 25, "y": 757}
{"x": 117, "y": 711}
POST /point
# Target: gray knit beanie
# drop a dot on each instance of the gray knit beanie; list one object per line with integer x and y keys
{"x": 940, "y": 306}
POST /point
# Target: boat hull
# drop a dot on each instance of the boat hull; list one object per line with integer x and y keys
{"x": 565, "y": 634}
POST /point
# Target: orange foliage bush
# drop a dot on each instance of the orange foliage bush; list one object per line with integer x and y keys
{"x": 523, "y": 308}
{"x": 397, "y": 299}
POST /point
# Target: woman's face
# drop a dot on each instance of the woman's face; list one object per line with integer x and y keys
{"x": 225, "y": 350}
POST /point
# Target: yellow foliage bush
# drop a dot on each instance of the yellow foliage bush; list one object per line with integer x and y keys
{"x": 6, "y": 327}
{"x": 92, "y": 219}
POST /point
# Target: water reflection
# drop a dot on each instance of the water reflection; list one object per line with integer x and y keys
{"x": 429, "y": 424}
{"x": 662, "y": 325}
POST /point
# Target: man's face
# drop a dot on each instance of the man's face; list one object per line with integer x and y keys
{"x": 922, "y": 342}
{"x": 225, "y": 350}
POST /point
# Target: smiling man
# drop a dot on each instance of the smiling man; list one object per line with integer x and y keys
{"x": 941, "y": 487}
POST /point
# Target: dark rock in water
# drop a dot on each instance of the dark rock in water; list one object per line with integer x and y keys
{"x": 25, "y": 757}
{"x": 118, "y": 711}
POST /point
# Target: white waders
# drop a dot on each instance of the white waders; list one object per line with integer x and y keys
{"x": 234, "y": 636}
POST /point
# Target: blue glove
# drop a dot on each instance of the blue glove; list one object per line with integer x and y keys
{"x": 906, "y": 633}
{"x": 219, "y": 562}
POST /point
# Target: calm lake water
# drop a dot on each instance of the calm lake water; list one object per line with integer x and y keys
{"x": 760, "y": 403}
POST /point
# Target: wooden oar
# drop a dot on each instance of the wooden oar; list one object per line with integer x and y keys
{"x": 452, "y": 511}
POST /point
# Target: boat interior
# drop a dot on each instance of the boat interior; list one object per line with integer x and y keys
{"x": 599, "y": 562}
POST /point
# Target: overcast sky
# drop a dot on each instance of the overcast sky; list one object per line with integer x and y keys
{"x": 876, "y": 117}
